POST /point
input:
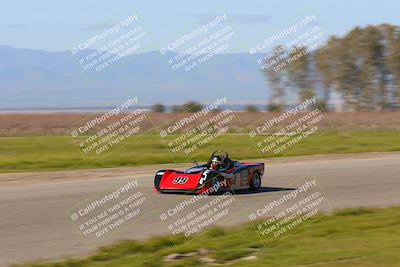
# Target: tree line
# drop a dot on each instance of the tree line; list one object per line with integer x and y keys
{"x": 192, "y": 106}
{"x": 362, "y": 68}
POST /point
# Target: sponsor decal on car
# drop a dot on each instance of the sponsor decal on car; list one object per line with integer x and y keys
{"x": 204, "y": 176}
{"x": 244, "y": 176}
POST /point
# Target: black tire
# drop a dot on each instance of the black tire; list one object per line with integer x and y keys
{"x": 255, "y": 184}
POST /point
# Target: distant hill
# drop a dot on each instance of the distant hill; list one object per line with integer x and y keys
{"x": 35, "y": 78}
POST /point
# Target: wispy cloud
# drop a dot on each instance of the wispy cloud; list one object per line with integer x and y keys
{"x": 239, "y": 18}
{"x": 250, "y": 18}
{"x": 14, "y": 26}
{"x": 99, "y": 26}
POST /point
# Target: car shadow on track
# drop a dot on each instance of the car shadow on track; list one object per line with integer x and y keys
{"x": 239, "y": 191}
{"x": 262, "y": 190}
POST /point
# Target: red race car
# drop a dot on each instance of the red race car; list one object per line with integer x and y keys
{"x": 219, "y": 173}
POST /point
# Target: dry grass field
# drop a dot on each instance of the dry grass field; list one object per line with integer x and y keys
{"x": 63, "y": 123}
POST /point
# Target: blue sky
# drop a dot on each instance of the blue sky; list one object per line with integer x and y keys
{"x": 60, "y": 25}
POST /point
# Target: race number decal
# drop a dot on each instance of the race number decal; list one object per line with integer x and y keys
{"x": 180, "y": 180}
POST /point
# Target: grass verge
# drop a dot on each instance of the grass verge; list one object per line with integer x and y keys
{"x": 351, "y": 237}
{"x": 61, "y": 152}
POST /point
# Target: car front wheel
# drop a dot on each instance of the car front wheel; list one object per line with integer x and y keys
{"x": 255, "y": 184}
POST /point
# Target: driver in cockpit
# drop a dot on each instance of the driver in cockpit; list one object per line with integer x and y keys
{"x": 216, "y": 163}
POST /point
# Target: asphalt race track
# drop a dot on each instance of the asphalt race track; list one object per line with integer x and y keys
{"x": 35, "y": 221}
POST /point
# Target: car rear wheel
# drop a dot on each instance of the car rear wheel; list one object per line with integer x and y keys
{"x": 255, "y": 184}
